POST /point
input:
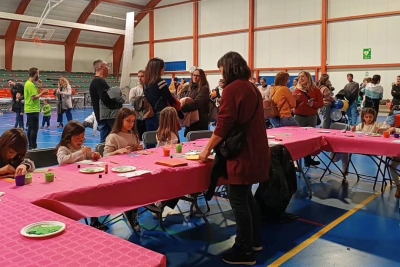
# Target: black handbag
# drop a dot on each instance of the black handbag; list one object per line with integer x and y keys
{"x": 232, "y": 145}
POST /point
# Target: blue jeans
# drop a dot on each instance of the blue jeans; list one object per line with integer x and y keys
{"x": 282, "y": 122}
{"x": 67, "y": 113}
{"x": 326, "y": 118}
{"x": 46, "y": 119}
{"x": 19, "y": 120}
{"x": 105, "y": 127}
{"x": 152, "y": 125}
{"x": 352, "y": 113}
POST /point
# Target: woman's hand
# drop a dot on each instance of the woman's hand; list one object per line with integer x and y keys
{"x": 96, "y": 156}
{"x": 21, "y": 169}
{"x": 203, "y": 157}
{"x": 8, "y": 169}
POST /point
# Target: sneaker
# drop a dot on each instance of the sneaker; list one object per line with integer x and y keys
{"x": 238, "y": 257}
{"x": 48, "y": 127}
{"x": 42, "y": 127}
{"x": 311, "y": 163}
{"x": 257, "y": 246}
{"x": 132, "y": 218}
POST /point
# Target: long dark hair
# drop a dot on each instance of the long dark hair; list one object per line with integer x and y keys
{"x": 73, "y": 128}
{"x": 376, "y": 79}
{"x": 322, "y": 80}
{"x": 203, "y": 79}
{"x": 234, "y": 67}
{"x": 124, "y": 113}
{"x": 15, "y": 139}
{"x": 169, "y": 124}
{"x": 153, "y": 70}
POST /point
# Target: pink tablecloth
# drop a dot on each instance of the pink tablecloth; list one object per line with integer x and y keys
{"x": 76, "y": 195}
{"x": 78, "y": 245}
{"x": 355, "y": 143}
{"x": 299, "y": 141}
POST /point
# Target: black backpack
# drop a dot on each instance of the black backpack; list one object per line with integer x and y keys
{"x": 274, "y": 195}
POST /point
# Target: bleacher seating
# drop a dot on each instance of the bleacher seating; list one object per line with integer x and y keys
{"x": 80, "y": 82}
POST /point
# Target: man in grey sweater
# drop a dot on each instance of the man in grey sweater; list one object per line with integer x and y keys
{"x": 351, "y": 92}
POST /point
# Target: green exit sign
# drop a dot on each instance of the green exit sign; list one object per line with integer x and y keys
{"x": 367, "y": 53}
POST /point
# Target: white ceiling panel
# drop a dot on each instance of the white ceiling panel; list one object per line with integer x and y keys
{"x": 97, "y": 38}
{"x": 9, "y": 5}
{"x": 60, "y": 34}
{"x": 68, "y": 10}
{"x": 4, "y": 26}
{"x": 138, "y": 2}
{"x": 169, "y": 2}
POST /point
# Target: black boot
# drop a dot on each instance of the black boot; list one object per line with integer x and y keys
{"x": 308, "y": 161}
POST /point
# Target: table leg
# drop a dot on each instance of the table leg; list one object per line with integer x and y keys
{"x": 300, "y": 169}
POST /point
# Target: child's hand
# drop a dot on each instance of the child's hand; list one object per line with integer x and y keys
{"x": 391, "y": 130}
{"x": 125, "y": 150}
{"x": 96, "y": 156}
{"x": 139, "y": 147}
{"x": 353, "y": 129}
{"x": 86, "y": 150}
{"x": 21, "y": 169}
{"x": 8, "y": 169}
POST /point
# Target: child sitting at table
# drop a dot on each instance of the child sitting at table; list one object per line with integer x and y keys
{"x": 369, "y": 124}
{"x": 13, "y": 146}
{"x": 71, "y": 149}
{"x": 124, "y": 136}
{"x": 124, "y": 139}
{"x": 168, "y": 128}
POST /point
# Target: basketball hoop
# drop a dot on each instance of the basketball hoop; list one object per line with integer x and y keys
{"x": 37, "y": 41}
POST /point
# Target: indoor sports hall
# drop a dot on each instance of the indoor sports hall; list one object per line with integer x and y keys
{"x": 335, "y": 214}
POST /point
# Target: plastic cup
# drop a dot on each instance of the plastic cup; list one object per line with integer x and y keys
{"x": 28, "y": 178}
{"x": 49, "y": 177}
{"x": 386, "y": 134}
{"x": 179, "y": 148}
{"x": 396, "y": 135}
{"x": 167, "y": 151}
{"x": 20, "y": 180}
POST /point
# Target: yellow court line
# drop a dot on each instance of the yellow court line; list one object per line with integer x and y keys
{"x": 284, "y": 258}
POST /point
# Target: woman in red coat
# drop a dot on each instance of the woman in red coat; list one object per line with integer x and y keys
{"x": 241, "y": 104}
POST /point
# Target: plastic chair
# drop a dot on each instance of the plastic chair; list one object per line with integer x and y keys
{"x": 100, "y": 148}
{"x": 43, "y": 157}
{"x": 195, "y": 135}
{"x": 149, "y": 139}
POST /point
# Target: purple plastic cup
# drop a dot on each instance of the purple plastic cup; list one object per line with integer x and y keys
{"x": 20, "y": 180}
{"x": 396, "y": 135}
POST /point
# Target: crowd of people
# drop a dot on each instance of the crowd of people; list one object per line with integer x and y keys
{"x": 155, "y": 106}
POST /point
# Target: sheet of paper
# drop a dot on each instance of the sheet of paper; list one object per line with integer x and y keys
{"x": 42, "y": 170}
{"x": 90, "y": 162}
{"x": 134, "y": 173}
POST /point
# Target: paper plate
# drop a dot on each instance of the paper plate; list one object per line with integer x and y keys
{"x": 374, "y": 135}
{"x": 43, "y": 229}
{"x": 323, "y": 131}
{"x": 271, "y": 136}
{"x": 92, "y": 170}
{"x": 123, "y": 169}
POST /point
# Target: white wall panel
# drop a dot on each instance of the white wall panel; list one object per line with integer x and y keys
{"x": 141, "y": 33}
{"x": 223, "y": 15}
{"x": 213, "y": 80}
{"x": 84, "y": 58}
{"x": 348, "y": 39}
{"x": 274, "y": 12}
{"x": 289, "y": 47}
{"x": 175, "y": 51}
{"x": 169, "y": 2}
{"x": 213, "y": 48}
{"x": 339, "y": 78}
{"x": 345, "y": 8}
{"x": 141, "y": 55}
{"x": 45, "y": 57}
{"x": 176, "y": 21}
{"x": 2, "y": 54}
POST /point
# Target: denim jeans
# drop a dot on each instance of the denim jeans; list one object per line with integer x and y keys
{"x": 19, "y": 120}
{"x": 152, "y": 125}
{"x": 282, "y": 122}
{"x": 326, "y": 117}
{"x": 46, "y": 119}
{"x": 67, "y": 113}
{"x": 33, "y": 128}
{"x": 352, "y": 113}
{"x": 247, "y": 216}
{"x": 105, "y": 127}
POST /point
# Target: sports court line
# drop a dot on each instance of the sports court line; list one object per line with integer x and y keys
{"x": 322, "y": 232}
{"x": 311, "y": 222}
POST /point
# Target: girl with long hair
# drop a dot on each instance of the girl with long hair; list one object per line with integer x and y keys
{"x": 13, "y": 147}
{"x": 64, "y": 97}
{"x": 167, "y": 132}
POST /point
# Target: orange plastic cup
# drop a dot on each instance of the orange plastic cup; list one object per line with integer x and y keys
{"x": 167, "y": 151}
{"x": 386, "y": 134}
